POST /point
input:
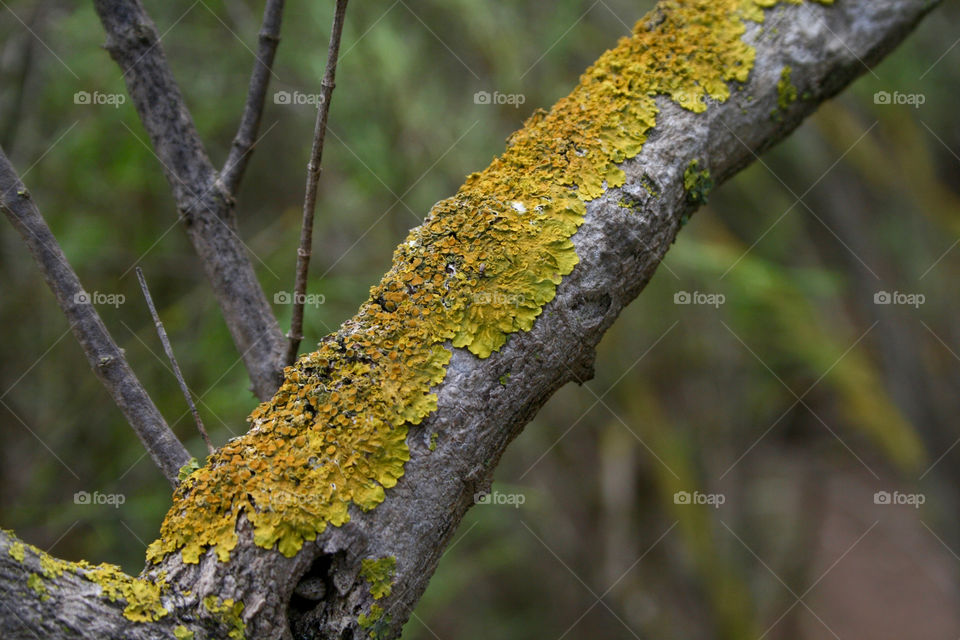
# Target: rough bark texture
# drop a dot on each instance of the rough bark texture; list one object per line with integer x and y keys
{"x": 625, "y": 235}
{"x": 206, "y": 207}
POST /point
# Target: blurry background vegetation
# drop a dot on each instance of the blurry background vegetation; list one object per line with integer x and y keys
{"x": 796, "y": 399}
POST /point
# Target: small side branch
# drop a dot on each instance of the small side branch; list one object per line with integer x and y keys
{"x": 243, "y": 142}
{"x": 313, "y": 176}
{"x": 103, "y": 354}
{"x": 168, "y": 349}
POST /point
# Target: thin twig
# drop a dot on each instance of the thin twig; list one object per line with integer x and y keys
{"x": 173, "y": 360}
{"x": 103, "y": 354}
{"x": 313, "y": 177}
{"x": 243, "y": 142}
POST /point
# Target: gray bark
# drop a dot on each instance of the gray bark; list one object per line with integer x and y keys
{"x": 205, "y": 204}
{"x": 619, "y": 250}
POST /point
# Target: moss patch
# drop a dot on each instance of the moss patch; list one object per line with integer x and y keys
{"x": 334, "y": 435}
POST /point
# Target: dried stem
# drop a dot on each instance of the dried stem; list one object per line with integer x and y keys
{"x": 313, "y": 176}
{"x": 168, "y": 349}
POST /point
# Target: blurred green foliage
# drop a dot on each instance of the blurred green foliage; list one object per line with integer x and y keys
{"x": 797, "y": 368}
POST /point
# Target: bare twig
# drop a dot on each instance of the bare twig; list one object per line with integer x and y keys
{"x": 206, "y": 209}
{"x": 243, "y": 142}
{"x": 313, "y": 176}
{"x": 103, "y": 354}
{"x": 168, "y": 349}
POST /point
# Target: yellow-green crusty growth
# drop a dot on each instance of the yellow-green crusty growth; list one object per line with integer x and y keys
{"x": 786, "y": 92}
{"x": 141, "y": 597}
{"x": 16, "y": 551}
{"x": 379, "y": 572}
{"x": 334, "y": 435}
{"x": 230, "y": 614}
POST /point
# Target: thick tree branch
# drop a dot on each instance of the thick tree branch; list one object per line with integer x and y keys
{"x": 243, "y": 142}
{"x": 625, "y": 233}
{"x": 314, "y": 167}
{"x": 205, "y": 206}
{"x": 105, "y": 357}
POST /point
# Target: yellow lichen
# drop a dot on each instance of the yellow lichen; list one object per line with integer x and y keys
{"x": 35, "y": 582}
{"x": 374, "y": 623}
{"x": 228, "y": 614}
{"x": 334, "y": 435}
{"x": 697, "y": 183}
{"x": 182, "y": 633}
{"x": 141, "y": 596}
{"x": 16, "y": 551}
{"x": 379, "y": 572}
{"x": 786, "y": 92}
{"x": 52, "y": 567}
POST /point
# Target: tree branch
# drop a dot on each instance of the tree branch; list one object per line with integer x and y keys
{"x": 624, "y": 234}
{"x": 205, "y": 206}
{"x": 243, "y": 142}
{"x": 168, "y": 349}
{"x": 105, "y": 357}
{"x": 314, "y": 167}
